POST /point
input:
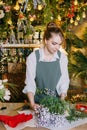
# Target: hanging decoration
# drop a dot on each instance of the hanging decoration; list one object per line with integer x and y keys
{"x": 1, "y": 14}
{"x": 7, "y": 8}
{"x": 36, "y": 13}
{"x": 35, "y": 3}
{"x": 38, "y": 4}
{"x": 32, "y": 17}
{"x": 72, "y": 9}
{"x": 40, "y": 7}
{"x": 25, "y": 6}
{"x": 75, "y": 2}
{"x": 17, "y": 7}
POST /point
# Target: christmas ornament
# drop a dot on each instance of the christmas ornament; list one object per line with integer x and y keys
{"x": 1, "y": 14}
{"x": 7, "y": 8}
{"x": 17, "y": 7}
{"x": 32, "y": 17}
{"x": 9, "y": 22}
{"x": 40, "y": 7}
{"x": 21, "y": 16}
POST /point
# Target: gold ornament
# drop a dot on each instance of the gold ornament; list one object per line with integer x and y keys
{"x": 40, "y": 7}
{"x": 59, "y": 23}
{"x": 9, "y": 22}
{"x": 32, "y": 19}
{"x": 28, "y": 7}
{"x": 17, "y": 7}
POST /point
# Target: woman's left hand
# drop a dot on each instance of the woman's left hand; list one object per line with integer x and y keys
{"x": 62, "y": 96}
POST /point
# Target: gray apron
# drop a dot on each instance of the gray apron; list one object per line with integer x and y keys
{"x": 47, "y": 75}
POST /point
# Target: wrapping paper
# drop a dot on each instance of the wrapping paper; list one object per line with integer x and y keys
{"x": 22, "y": 125}
{"x": 33, "y": 123}
{"x": 72, "y": 125}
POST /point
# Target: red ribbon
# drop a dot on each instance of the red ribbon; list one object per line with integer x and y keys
{"x": 81, "y": 107}
{"x": 13, "y": 121}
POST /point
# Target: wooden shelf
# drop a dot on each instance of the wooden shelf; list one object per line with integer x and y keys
{"x": 20, "y": 45}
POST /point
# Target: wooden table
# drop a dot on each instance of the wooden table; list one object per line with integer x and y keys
{"x": 12, "y": 109}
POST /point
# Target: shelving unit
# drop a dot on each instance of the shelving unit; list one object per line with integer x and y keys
{"x": 20, "y": 45}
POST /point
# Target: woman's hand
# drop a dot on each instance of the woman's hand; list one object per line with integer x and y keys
{"x": 35, "y": 106}
{"x": 62, "y": 96}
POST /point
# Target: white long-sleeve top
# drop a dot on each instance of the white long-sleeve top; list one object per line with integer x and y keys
{"x": 63, "y": 84}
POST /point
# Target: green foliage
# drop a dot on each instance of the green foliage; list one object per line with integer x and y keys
{"x": 50, "y": 11}
{"x": 55, "y": 105}
{"x": 13, "y": 89}
{"x": 78, "y": 64}
{"x": 47, "y": 18}
{"x": 58, "y": 106}
{"x": 75, "y": 115}
{"x": 73, "y": 40}
{"x": 2, "y": 92}
{"x": 85, "y": 37}
{"x": 77, "y": 60}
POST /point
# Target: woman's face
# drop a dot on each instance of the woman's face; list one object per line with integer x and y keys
{"x": 53, "y": 44}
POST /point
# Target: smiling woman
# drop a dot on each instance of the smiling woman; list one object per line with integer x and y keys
{"x": 47, "y": 68}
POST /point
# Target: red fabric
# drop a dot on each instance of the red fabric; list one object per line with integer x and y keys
{"x": 13, "y": 121}
{"x": 80, "y": 106}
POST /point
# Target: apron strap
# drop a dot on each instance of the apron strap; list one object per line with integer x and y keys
{"x": 38, "y": 55}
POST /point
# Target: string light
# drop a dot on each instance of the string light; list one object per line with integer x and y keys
{"x": 40, "y": 7}
{"x": 78, "y": 18}
{"x": 76, "y": 23}
{"x": 71, "y": 20}
{"x": 28, "y": 7}
{"x": 84, "y": 15}
{"x": 59, "y": 17}
{"x": 75, "y": 2}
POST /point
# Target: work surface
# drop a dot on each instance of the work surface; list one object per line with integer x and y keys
{"x": 12, "y": 109}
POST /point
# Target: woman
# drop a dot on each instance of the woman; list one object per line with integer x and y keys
{"x": 47, "y": 68}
